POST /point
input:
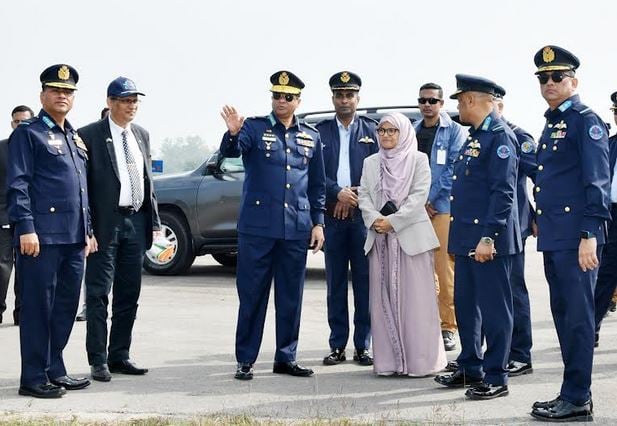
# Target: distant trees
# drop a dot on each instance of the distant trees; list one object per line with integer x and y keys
{"x": 182, "y": 154}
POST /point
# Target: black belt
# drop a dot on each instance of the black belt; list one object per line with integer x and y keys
{"x": 127, "y": 210}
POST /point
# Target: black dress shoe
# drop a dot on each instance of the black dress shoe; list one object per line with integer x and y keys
{"x": 126, "y": 367}
{"x": 596, "y": 342}
{"x": 487, "y": 391}
{"x": 100, "y": 372}
{"x": 362, "y": 357}
{"x": 70, "y": 383}
{"x": 516, "y": 368}
{"x": 45, "y": 390}
{"x": 335, "y": 357}
{"x": 292, "y": 369}
{"x": 458, "y": 379}
{"x": 564, "y": 411}
{"x": 244, "y": 371}
{"x": 452, "y": 366}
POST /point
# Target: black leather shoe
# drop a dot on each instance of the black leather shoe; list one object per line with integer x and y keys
{"x": 545, "y": 404}
{"x": 70, "y": 383}
{"x": 516, "y": 368}
{"x": 292, "y": 369}
{"x": 487, "y": 391}
{"x": 564, "y": 411}
{"x": 45, "y": 390}
{"x": 100, "y": 372}
{"x": 362, "y": 357}
{"x": 126, "y": 367}
{"x": 596, "y": 342}
{"x": 244, "y": 371}
{"x": 458, "y": 379}
{"x": 452, "y": 366}
{"x": 449, "y": 343}
{"x": 612, "y": 307}
{"x": 335, "y": 357}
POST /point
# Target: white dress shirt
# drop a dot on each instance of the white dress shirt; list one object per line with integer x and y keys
{"x": 125, "y": 180}
{"x": 343, "y": 174}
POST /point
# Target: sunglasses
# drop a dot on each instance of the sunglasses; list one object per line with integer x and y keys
{"x": 556, "y": 76}
{"x": 390, "y": 131}
{"x": 431, "y": 101}
{"x": 287, "y": 96}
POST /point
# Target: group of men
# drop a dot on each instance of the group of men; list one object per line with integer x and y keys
{"x": 72, "y": 194}
{"x": 302, "y": 180}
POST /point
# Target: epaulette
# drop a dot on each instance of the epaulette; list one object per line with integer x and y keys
{"x": 310, "y": 126}
{"x": 582, "y": 109}
{"x": 497, "y": 128}
{"x": 322, "y": 122}
{"x": 27, "y": 122}
{"x": 258, "y": 117}
{"x": 368, "y": 119}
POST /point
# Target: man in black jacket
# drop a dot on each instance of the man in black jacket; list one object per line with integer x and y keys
{"x": 124, "y": 218}
{"x": 20, "y": 113}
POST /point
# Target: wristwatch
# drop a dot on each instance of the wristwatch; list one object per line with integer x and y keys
{"x": 585, "y": 235}
{"x": 323, "y": 225}
{"x": 487, "y": 240}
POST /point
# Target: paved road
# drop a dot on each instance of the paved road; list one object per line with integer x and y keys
{"x": 184, "y": 334}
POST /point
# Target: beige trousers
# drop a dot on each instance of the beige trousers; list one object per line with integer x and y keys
{"x": 444, "y": 273}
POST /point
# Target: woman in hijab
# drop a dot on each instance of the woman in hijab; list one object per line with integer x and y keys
{"x": 400, "y": 242}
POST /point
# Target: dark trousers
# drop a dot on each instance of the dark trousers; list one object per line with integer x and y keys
{"x": 572, "y": 305}
{"x": 6, "y": 267}
{"x": 344, "y": 247}
{"x": 259, "y": 260}
{"x": 116, "y": 266}
{"x": 483, "y": 303}
{"x": 50, "y": 286}
{"x": 607, "y": 274}
{"x": 520, "y": 349}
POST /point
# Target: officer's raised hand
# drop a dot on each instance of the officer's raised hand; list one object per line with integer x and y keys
{"x": 317, "y": 238}
{"x": 587, "y": 257}
{"x": 29, "y": 244}
{"x": 233, "y": 119}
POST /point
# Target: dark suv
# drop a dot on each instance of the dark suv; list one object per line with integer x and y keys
{"x": 199, "y": 209}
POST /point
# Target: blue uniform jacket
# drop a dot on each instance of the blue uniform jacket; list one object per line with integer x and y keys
{"x": 284, "y": 188}
{"x": 450, "y": 137}
{"x": 46, "y": 177}
{"x": 572, "y": 183}
{"x": 527, "y": 167}
{"x": 362, "y": 143}
{"x": 484, "y": 190}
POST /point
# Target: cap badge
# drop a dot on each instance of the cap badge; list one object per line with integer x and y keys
{"x": 64, "y": 73}
{"x": 128, "y": 85}
{"x": 345, "y": 77}
{"x": 283, "y": 79}
{"x": 548, "y": 54}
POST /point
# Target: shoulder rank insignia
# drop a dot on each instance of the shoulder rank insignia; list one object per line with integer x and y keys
{"x": 366, "y": 139}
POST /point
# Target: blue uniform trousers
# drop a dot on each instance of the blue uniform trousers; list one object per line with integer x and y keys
{"x": 259, "y": 260}
{"x": 344, "y": 247}
{"x": 607, "y": 274}
{"x": 50, "y": 297}
{"x": 520, "y": 349}
{"x": 115, "y": 268}
{"x": 572, "y": 305}
{"x": 483, "y": 303}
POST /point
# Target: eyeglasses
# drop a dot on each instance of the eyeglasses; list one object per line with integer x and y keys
{"x": 346, "y": 95}
{"x": 390, "y": 131}
{"x": 431, "y": 101}
{"x": 556, "y": 76}
{"x": 128, "y": 101}
{"x": 288, "y": 97}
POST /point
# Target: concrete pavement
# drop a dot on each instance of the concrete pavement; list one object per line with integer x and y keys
{"x": 185, "y": 334}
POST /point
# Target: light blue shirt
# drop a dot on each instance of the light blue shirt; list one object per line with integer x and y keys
{"x": 614, "y": 186}
{"x": 343, "y": 174}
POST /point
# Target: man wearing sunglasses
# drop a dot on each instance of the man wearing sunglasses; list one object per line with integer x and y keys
{"x": 348, "y": 139}
{"x": 607, "y": 274}
{"x": 281, "y": 214}
{"x": 441, "y": 139}
{"x": 572, "y": 192}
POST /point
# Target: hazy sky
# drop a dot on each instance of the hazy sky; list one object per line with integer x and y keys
{"x": 191, "y": 57}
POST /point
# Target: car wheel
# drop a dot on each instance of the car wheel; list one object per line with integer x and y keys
{"x": 175, "y": 229}
{"x": 226, "y": 259}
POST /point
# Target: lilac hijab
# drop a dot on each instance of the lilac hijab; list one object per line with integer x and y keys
{"x": 397, "y": 164}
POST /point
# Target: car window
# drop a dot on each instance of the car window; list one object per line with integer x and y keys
{"x": 232, "y": 165}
